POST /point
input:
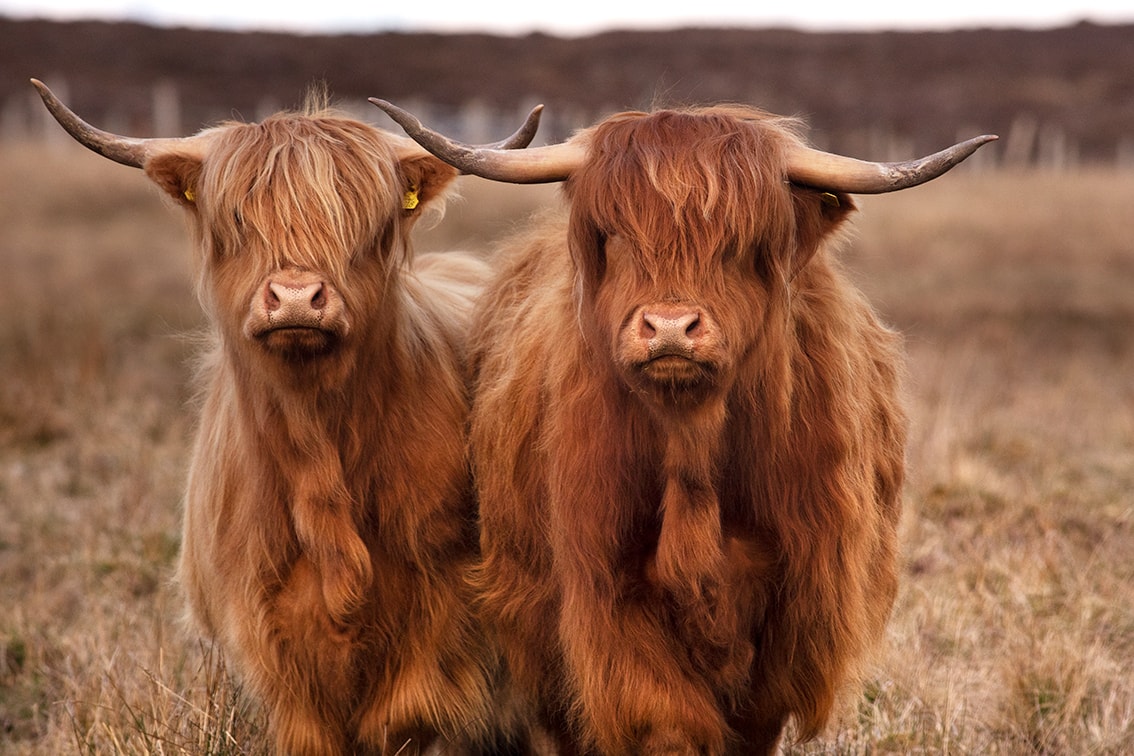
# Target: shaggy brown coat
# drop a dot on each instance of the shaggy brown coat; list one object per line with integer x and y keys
{"x": 329, "y": 523}
{"x": 682, "y": 552}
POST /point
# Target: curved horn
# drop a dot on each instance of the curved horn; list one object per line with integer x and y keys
{"x": 539, "y": 165}
{"x": 806, "y": 166}
{"x": 825, "y": 170}
{"x": 126, "y": 150}
{"x": 523, "y": 136}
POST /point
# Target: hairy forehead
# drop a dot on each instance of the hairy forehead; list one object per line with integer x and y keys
{"x": 310, "y": 189}
{"x": 295, "y": 155}
{"x": 685, "y": 180}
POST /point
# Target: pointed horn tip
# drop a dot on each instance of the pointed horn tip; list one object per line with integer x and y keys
{"x": 388, "y": 107}
{"x": 403, "y": 118}
{"x": 966, "y": 148}
{"x": 44, "y": 91}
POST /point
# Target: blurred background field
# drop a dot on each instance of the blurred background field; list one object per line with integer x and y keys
{"x": 1014, "y": 630}
{"x": 1060, "y": 96}
{"x": 1011, "y": 278}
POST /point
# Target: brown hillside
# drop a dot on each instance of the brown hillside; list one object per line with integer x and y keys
{"x": 1071, "y": 86}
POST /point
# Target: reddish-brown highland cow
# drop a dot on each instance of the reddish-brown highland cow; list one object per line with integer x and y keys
{"x": 686, "y": 434}
{"x": 329, "y": 524}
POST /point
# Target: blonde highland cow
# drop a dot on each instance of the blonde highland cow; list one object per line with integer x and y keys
{"x": 329, "y": 523}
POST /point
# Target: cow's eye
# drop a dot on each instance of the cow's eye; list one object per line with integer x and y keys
{"x": 602, "y": 241}
{"x": 730, "y": 253}
{"x": 762, "y": 259}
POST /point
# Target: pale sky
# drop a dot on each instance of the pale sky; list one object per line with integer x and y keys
{"x": 573, "y": 17}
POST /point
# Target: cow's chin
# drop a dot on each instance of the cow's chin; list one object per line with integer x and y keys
{"x": 298, "y": 343}
{"x": 675, "y": 380}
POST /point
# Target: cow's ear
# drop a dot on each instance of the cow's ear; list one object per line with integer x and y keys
{"x": 818, "y": 214}
{"x": 178, "y": 174}
{"x": 426, "y": 177}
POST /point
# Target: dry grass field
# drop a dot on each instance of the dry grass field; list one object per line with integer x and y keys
{"x": 1014, "y": 628}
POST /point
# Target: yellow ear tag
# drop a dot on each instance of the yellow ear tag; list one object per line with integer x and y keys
{"x": 829, "y": 199}
{"x": 410, "y": 199}
{"x": 189, "y": 195}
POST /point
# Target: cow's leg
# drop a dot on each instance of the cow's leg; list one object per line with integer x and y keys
{"x": 518, "y": 599}
{"x": 297, "y": 733}
{"x": 533, "y": 694}
{"x": 306, "y": 668}
{"x": 438, "y": 682}
{"x": 650, "y": 641}
{"x": 633, "y": 681}
{"x": 760, "y": 732}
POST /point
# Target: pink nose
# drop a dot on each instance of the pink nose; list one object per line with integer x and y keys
{"x": 670, "y": 329}
{"x": 294, "y": 298}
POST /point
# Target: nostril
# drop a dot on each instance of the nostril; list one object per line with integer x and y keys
{"x": 271, "y": 299}
{"x": 319, "y": 298}
{"x": 694, "y": 328}
{"x": 647, "y": 328}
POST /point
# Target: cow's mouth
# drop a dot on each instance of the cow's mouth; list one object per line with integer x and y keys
{"x": 675, "y": 371}
{"x": 297, "y": 341}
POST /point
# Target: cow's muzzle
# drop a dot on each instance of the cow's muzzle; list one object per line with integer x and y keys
{"x": 671, "y": 345}
{"x": 296, "y": 310}
{"x": 670, "y": 331}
